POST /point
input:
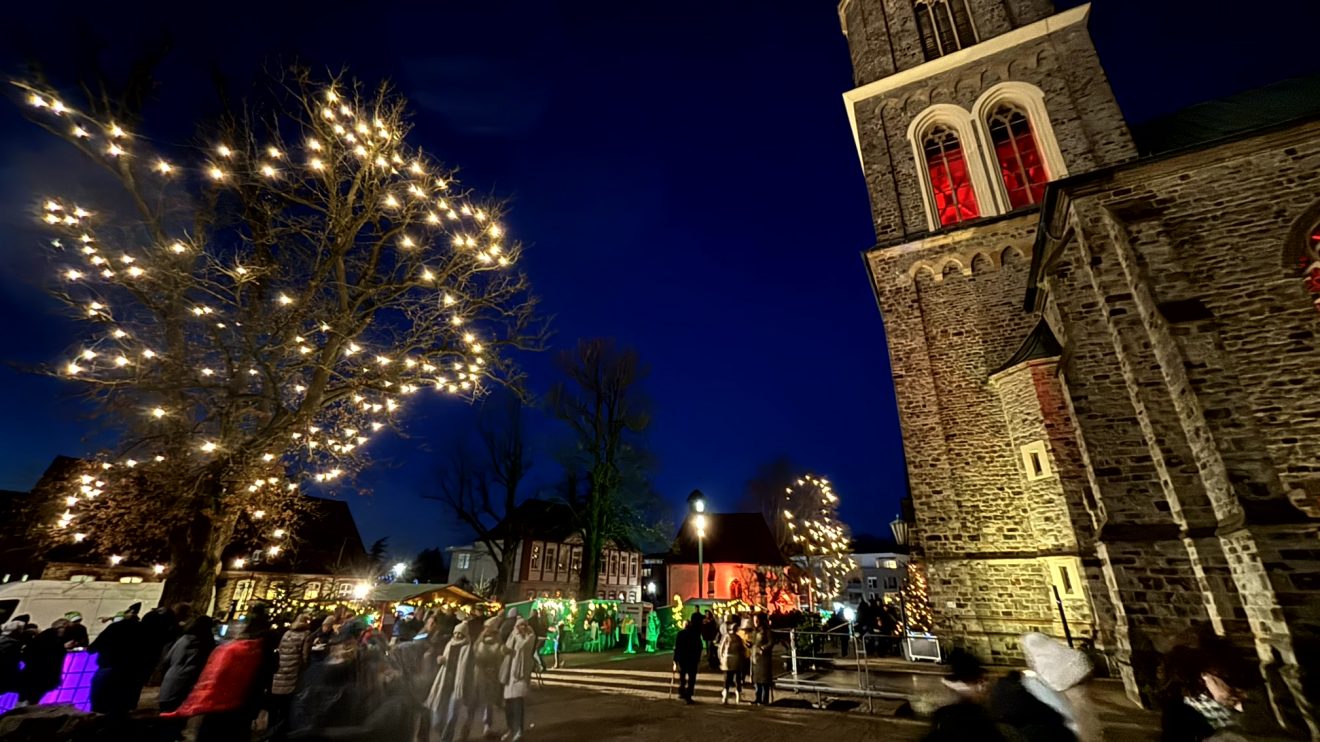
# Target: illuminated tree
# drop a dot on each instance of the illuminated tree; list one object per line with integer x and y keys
{"x": 256, "y": 312}
{"x": 916, "y": 601}
{"x": 811, "y": 514}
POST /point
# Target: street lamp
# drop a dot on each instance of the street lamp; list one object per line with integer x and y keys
{"x": 697, "y": 504}
{"x": 399, "y": 569}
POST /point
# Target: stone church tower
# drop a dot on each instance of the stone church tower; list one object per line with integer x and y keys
{"x": 964, "y": 110}
{"x": 1104, "y": 357}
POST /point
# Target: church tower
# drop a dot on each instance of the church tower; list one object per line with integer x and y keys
{"x": 963, "y": 111}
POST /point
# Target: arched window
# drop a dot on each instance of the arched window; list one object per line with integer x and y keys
{"x": 945, "y": 26}
{"x": 950, "y": 183}
{"x": 1020, "y": 162}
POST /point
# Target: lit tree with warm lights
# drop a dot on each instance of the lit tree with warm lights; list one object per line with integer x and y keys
{"x": 258, "y": 311}
{"x": 917, "y": 615}
{"x": 811, "y": 514}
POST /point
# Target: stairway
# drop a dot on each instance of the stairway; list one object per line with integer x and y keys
{"x": 642, "y": 683}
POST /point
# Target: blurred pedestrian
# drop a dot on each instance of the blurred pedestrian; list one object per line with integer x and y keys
{"x": 183, "y": 665}
{"x": 43, "y": 664}
{"x": 733, "y": 651}
{"x": 120, "y": 655}
{"x": 967, "y": 719}
{"x": 452, "y": 692}
{"x": 710, "y": 634}
{"x": 687, "y": 657}
{"x": 522, "y": 650}
{"x": 293, "y": 655}
{"x": 75, "y": 634}
{"x": 11, "y": 653}
{"x": 488, "y": 658}
{"x": 763, "y": 659}
{"x": 227, "y": 695}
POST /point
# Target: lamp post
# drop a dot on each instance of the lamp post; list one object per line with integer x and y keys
{"x": 900, "y": 527}
{"x": 697, "y": 506}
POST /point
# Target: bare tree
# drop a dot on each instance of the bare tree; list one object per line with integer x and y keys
{"x": 601, "y": 402}
{"x": 769, "y": 493}
{"x": 483, "y": 490}
{"x": 259, "y": 310}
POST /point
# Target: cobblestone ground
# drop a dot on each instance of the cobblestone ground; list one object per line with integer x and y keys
{"x": 571, "y": 715}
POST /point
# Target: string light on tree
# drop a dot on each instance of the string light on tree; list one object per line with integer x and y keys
{"x": 223, "y": 334}
{"x": 818, "y": 536}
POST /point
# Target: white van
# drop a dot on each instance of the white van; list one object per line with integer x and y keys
{"x": 46, "y": 600}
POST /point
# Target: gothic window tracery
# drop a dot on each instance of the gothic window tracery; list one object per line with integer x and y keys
{"x": 945, "y": 26}
{"x": 1021, "y": 167}
{"x": 950, "y": 181}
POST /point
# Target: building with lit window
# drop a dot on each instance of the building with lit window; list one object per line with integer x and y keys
{"x": 1103, "y": 340}
{"x": 738, "y": 556}
{"x": 548, "y": 559}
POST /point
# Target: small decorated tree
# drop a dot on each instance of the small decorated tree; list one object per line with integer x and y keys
{"x": 916, "y": 601}
{"x": 819, "y": 538}
{"x": 259, "y": 310}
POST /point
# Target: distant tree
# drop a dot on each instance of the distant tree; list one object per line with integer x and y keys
{"x": 429, "y": 566}
{"x": 766, "y": 493}
{"x": 819, "y": 538}
{"x": 378, "y": 555}
{"x": 601, "y": 402}
{"x": 483, "y": 488}
{"x": 256, "y": 310}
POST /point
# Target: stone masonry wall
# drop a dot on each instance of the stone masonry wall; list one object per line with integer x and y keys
{"x": 952, "y": 312}
{"x": 1177, "y": 284}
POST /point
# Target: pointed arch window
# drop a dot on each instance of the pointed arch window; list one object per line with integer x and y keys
{"x": 950, "y": 182}
{"x": 1020, "y": 163}
{"x": 945, "y": 26}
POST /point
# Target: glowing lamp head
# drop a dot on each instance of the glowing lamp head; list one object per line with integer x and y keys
{"x": 360, "y": 590}
{"x": 399, "y": 569}
{"x": 157, "y": 568}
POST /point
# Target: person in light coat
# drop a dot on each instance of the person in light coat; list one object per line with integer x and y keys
{"x": 453, "y": 691}
{"x": 733, "y": 652}
{"x": 488, "y": 658}
{"x": 521, "y": 649}
{"x": 294, "y": 652}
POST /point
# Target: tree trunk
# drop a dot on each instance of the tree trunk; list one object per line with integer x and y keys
{"x": 196, "y": 548}
{"x": 504, "y": 570}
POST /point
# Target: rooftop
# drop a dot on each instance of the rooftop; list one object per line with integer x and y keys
{"x": 737, "y": 538}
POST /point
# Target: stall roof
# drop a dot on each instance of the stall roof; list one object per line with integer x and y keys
{"x": 402, "y": 592}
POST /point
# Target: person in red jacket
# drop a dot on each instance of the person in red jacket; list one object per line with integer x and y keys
{"x": 228, "y": 693}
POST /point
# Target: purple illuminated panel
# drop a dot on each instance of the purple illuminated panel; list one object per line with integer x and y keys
{"x": 76, "y": 688}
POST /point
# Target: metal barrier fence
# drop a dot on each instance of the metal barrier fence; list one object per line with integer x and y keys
{"x": 813, "y": 652}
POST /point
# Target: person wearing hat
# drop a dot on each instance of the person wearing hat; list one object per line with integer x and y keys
{"x": 75, "y": 634}
{"x": 116, "y": 685}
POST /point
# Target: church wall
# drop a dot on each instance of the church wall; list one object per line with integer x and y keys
{"x": 1188, "y": 264}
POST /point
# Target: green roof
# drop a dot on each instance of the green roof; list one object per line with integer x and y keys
{"x": 1258, "y": 108}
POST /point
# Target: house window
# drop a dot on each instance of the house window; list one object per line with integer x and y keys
{"x": 871, "y": 582}
{"x": 614, "y": 563}
{"x": 275, "y": 591}
{"x": 1020, "y": 163}
{"x": 945, "y": 26}
{"x": 891, "y": 564}
{"x": 243, "y": 592}
{"x": 632, "y": 596}
{"x": 1036, "y": 461}
{"x": 950, "y": 183}
{"x": 550, "y": 556}
{"x": 632, "y": 568}
{"x": 464, "y": 560}
{"x": 344, "y": 590}
{"x": 312, "y": 591}
{"x": 891, "y": 583}
{"x": 1065, "y": 580}
{"x": 130, "y": 580}
{"x": 577, "y": 560}
{"x": 536, "y": 555}
{"x": 81, "y": 578}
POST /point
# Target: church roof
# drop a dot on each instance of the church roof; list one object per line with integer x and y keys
{"x": 1040, "y": 343}
{"x": 734, "y": 538}
{"x": 1259, "y": 108}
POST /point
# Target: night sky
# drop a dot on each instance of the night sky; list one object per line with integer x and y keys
{"x": 683, "y": 172}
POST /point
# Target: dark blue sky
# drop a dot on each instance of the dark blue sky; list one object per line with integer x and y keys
{"x": 683, "y": 172}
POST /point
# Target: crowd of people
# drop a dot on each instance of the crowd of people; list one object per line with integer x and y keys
{"x": 740, "y": 645}
{"x": 300, "y": 677}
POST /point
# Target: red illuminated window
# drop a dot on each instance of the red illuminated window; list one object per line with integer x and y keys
{"x": 1019, "y": 158}
{"x": 950, "y": 183}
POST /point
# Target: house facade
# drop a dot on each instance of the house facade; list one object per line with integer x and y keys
{"x": 738, "y": 556}
{"x": 878, "y": 577}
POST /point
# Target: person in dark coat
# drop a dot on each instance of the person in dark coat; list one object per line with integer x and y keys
{"x": 75, "y": 634}
{"x": 710, "y": 633}
{"x": 11, "y": 652}
{"x": 43, "y": 664}
{"x": 967, "y": 719}
{"x": 1012, "y": 705}
{"x": 293, "y": 655}
{"x": 118, "y": 650}
{"x": 687, "y": 656}
{"x": 185, "y": 660}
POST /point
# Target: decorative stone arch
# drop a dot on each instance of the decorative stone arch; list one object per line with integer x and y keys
{"x": 955, "y": 262}
{"x": 982, "y": 262}
{"x": 1011, "y": 256}
{"x": 1032, "y": 101}
{"x": 920, "y": 267}
{"x": 960, "y": 122}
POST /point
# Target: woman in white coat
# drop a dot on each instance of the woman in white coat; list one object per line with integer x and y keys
{"x": 521, "y": 648}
